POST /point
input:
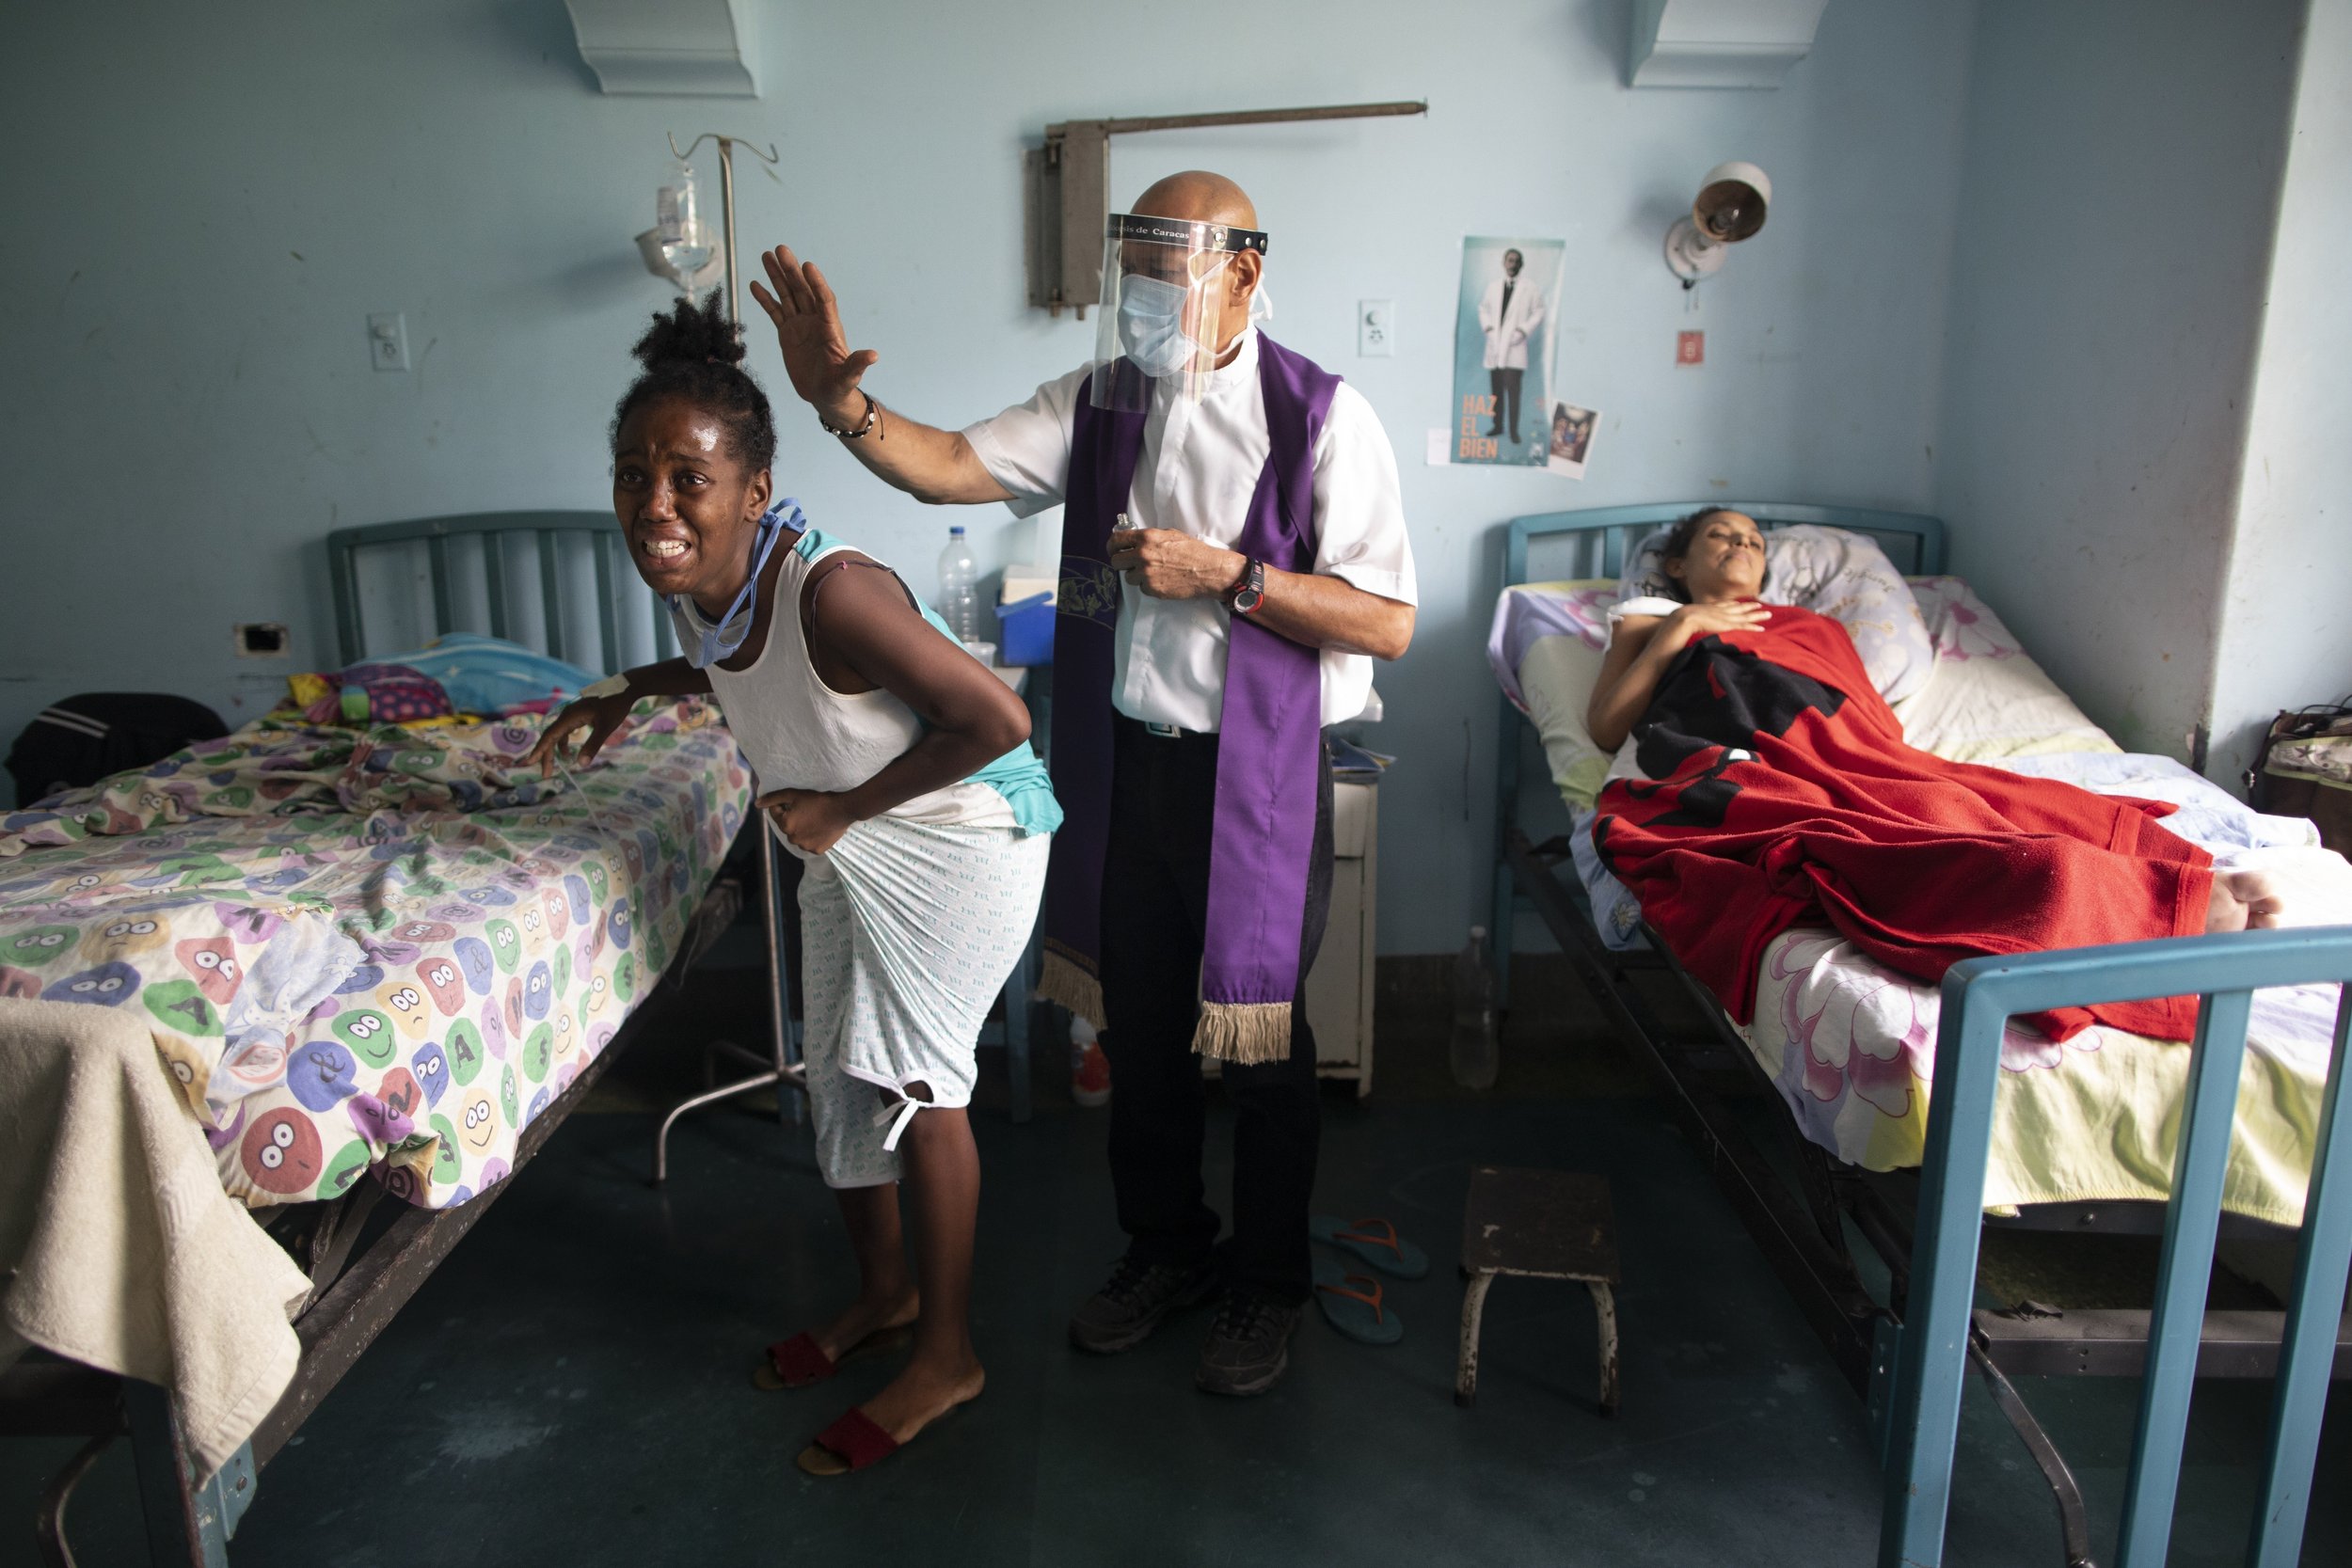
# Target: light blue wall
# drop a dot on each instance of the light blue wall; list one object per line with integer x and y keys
{"x": 2286, "y": 624}
{"x": 2119, "y": 195}
{"x": 206, "y": 202}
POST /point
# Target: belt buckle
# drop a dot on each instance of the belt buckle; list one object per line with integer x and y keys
{"x": 1165, "y": 732}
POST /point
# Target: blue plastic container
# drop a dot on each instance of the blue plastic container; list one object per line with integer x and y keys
{"x": 1028, "y": 634}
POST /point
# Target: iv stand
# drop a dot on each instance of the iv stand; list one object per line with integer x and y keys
{"x": 777, "y": 1068}
{"x": 726, "y": 191}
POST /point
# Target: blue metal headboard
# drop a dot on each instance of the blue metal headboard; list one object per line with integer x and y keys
{"x": 1912, "y": 541}
{"x": 487, "y": 534}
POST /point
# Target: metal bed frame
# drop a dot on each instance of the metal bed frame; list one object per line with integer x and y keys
{"x": 1907, "y": 1366}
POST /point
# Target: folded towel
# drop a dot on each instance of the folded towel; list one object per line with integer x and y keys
{"x": 118, "y": 1247}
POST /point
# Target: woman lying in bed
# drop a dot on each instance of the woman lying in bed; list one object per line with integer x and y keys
{"x": 1770, "y": 786}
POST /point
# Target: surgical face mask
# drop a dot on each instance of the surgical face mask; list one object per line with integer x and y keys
{"x": 704, "y": 642}
{"x": 1151, "y": 326}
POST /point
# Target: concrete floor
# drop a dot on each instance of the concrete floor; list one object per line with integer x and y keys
{"x": 571, "y": 1387}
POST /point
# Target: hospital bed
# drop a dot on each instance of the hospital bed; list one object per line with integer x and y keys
{"x": 523, "y": 939}
{"x": 1916, "y": 1189}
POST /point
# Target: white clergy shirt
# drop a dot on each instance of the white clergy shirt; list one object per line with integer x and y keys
{"x": 1197, "y": 470}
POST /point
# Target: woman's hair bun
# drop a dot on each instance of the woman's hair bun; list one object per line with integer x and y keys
{"x": 695, "y": 354}
{"x": 692, "y": 333}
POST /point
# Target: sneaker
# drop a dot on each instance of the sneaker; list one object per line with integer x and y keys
{"x": 1250, "y": 1344}
{"x": 1126, "y": 1311}
{"x": 1089, "y": 1074}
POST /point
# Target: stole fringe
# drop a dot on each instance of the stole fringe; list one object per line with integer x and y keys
{"x": 1064, "y": 980}
{"x": 1245, "y": 1033}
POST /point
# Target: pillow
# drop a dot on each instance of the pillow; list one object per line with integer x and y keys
{"x": 1831, "y": 572}
{"x": 489, "y": 674}
{"x": 1989, "y": 701}
{"x": 1961, "y": 626}
{"x": 370, "y": 693}
{"x": 1544, "y": 647}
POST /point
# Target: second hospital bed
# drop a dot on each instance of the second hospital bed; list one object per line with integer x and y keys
{"x": 2083, "y": 1134}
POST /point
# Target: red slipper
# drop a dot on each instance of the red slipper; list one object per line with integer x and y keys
{"x": 797, "y": 1362}
{"x": 852, "y": 1443}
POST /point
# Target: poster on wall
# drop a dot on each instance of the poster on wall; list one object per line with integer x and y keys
{"x": 1502, "y": 351}
{"x": 1572, "y": 439}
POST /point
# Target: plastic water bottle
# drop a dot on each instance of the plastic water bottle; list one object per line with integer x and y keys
{"x": 1475, "y": 1052}
{"x": 960, "y": 588}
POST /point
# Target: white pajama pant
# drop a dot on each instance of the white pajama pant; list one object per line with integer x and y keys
{"x": 908, "y": 932}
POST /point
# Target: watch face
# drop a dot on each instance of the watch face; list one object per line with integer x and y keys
{"x": 1248, "y": 600}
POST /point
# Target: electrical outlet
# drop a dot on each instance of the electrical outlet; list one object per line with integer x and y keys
{"x": 1376, "y": 329}
{"x": 388, "y": 340}
{"x": 260, "y": 640}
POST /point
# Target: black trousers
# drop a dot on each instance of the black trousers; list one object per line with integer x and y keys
{"x": 1156, "y": 894}
{"x": 1505, "y": 385}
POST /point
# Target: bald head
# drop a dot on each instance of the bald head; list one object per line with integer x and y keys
{"x": 1196, "y": 195}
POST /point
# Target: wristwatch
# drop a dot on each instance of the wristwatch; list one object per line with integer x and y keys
{"x": 1248, "y": 590}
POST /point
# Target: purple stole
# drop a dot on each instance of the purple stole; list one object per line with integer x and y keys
{"x": 1269, "y": 735}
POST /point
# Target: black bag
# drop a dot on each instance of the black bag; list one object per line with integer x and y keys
{"x": 84, "y": 739}
{"x": 2284, "y": 793}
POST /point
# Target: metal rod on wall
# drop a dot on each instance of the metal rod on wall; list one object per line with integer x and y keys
{"x": 1065, "y": 189}
{"x": 1263, "y": 117}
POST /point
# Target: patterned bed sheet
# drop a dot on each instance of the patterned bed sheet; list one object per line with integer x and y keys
{"x": 382, "y": 951}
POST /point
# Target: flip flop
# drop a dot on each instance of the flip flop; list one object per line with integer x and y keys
{"x": 1352, "y": 1302}
{"x": 797, "y": 1362}
{"x": 857, "y": 1440}
{"x": 1375, "y": 1242}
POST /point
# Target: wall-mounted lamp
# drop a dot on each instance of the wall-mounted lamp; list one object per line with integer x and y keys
{"x": 1729, "y": 208}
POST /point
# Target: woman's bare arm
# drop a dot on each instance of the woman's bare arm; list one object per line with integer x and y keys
{"x": 864, "y": 620}
{"x": 601, "y": 716}
{"x": 1638, "y": 655}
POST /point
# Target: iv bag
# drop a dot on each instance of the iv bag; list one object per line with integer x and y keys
{"x": 685, "y": 244}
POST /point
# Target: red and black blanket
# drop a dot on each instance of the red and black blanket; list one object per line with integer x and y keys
{"x": 1776, "y": 791}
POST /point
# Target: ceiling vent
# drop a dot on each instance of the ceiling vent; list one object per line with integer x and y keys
{"x": 674, "y": 48}
{"x": 1718, "y": 44}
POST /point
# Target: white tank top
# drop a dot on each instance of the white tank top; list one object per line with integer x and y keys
{"x": 798, "y": 733}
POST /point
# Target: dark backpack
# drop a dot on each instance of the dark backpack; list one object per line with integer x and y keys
{"x": 84, "y": 739}
{"x": 2282, "y": 790}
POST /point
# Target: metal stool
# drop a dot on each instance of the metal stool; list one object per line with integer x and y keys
{"x": 1541, "y": 1225}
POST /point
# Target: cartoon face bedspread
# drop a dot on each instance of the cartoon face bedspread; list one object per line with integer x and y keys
{"x": 345, "y": 972}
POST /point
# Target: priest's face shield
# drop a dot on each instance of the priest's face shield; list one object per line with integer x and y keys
{"x": 1165, "y": 312}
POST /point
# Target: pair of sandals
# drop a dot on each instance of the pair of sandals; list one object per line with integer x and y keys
{"x": 1355, "y": 1304}
{"x": 856, "y": 1440}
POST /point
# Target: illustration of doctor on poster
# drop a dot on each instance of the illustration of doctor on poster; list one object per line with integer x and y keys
{"x": 1502, "y": 350}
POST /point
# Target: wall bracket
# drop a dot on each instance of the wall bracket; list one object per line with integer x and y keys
{"x": 1065, "y": 190}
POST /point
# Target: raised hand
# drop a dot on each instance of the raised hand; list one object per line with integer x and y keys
{"x": 816, "y": 355}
